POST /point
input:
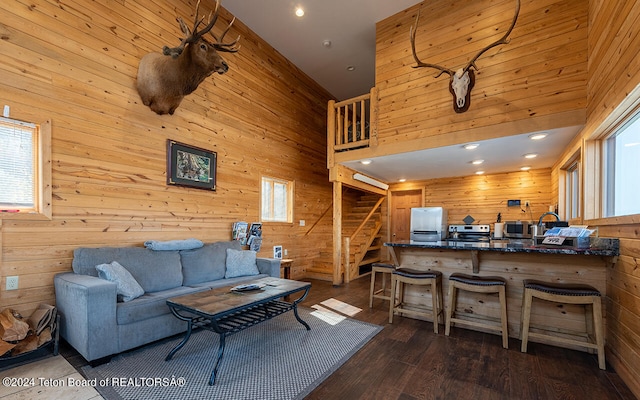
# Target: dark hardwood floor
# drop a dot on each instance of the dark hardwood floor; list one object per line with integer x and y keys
{"x": 406, "y": 360}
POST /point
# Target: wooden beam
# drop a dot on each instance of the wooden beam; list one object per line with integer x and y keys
{"x": 337, "y": 233}
{"x": 342, "y": 174}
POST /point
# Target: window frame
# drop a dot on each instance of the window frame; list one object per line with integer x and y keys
{"x": 607, "y": 170}
{"x": 573, "y": 189}
{"x": 290, "y": 190}
{"x": 42, "y": 209}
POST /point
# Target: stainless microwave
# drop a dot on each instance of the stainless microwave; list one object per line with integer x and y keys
{"x": 518, "y": 229}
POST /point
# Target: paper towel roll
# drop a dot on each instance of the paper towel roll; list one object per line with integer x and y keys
{"x": 497, "y": 230}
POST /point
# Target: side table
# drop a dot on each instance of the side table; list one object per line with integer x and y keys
{"x": 285, "y": 264}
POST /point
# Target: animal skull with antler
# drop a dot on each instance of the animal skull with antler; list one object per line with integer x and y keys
{"x": 164, "y": 79}
{"x": 461, "y": 81}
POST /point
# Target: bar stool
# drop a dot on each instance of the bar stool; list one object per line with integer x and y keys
{"x": 384, "y": 269}
{"x": 567, "y": 294}
{"x": 402, "y": 276}
{"x": 478, "y": 284}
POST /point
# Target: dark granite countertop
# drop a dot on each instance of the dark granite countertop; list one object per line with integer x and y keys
{"x": 608, "y": 247}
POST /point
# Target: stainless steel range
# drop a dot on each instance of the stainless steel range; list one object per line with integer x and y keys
{"x": 470, "y": 233}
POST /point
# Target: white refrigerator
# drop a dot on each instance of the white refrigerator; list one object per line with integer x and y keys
{"x": 428, "y": 224}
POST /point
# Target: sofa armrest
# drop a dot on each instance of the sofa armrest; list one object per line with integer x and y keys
{"x": 269, "y": 266}
{"x": 87, "y": 306}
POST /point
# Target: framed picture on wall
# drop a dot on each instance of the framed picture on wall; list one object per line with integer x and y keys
{"x": 277, "y": 252}
{"x": 190, "y": 166}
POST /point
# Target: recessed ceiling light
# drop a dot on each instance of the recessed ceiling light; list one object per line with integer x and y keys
{"x": 351, "y": 68}
{"x": 471, "y": 146}
{"x": 365, "y": 162}
{"x": 402, "y": 180}
{"x": 525, "y": 168}
{"x": 479, "y": 172}
{"x": 477, "y": 162}
{"x": 530, "y": 155}
{"x": 537, "y": 136}
{"x": 299, "y": 12}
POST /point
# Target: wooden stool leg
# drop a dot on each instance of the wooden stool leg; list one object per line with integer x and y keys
{"x": 526, "y": 319}
{"x": 441, "y": 300}
{"x": 400, "y": 289}
{"x": 434, "y": 304}
{"x": 384, "y": 283}
{"x": 392, "y": 301}
{"x": 597, "y": 322}
{"x": 503, "y": 317}
{"x": 588, "y": 321}
{"x": 450, "y": 307}
{"x": 373, "y": 283}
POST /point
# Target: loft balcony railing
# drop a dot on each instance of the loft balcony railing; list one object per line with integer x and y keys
{"x": 352, "y": 124}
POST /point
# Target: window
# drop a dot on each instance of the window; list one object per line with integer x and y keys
{"x": 25, "y": 187}
{"x": 277, "y": 200}
{"x": 572, "y": 190}
{"x": 622, "y": 170}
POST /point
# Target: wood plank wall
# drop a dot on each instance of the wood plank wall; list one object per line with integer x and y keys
{"x": 544, "y": 76}
{"x": 536, "y": 82}
{"x": 614, "y": 74}
{"x": 76, "y": 63}
{"x": 484, "y": 196}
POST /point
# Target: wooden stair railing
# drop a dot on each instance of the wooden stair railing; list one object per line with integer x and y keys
{"x": 319, "y": 219}
{"x": 347, "y": 240}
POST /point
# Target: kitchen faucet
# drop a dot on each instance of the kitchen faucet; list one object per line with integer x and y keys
{"x": 544, "y": 215}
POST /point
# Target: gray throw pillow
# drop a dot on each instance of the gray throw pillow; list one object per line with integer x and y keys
{"x": 127, "y": 286}
{"x": 241, "y": 263}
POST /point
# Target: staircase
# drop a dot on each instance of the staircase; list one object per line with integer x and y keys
{"x": 364, "y": 248}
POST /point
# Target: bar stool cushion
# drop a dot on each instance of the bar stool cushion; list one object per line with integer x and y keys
{"x": 383, "y": 265}
{"x": 562, "y": 289}
{"x": 478, "y": 280}
{"x": 413, "y": 273}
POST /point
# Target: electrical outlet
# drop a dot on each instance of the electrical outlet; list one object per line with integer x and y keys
{"x": 286, "y": 252}
{"x": 12, "y": 282}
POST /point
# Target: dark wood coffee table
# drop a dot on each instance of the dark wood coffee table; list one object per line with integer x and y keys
{"x": 226, "y": 312}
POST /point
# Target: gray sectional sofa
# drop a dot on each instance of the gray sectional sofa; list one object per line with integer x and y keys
{"x": 98, "y": 325}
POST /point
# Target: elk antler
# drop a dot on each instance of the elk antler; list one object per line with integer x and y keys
{"x": 193, "y": 35}
{"x": 228, "y": 47}
{"x": 502, "y": 40}
{"x": 412, "y": 34}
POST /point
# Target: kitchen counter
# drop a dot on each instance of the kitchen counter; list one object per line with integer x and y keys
{"x": 515, "y": 261}
{"x": 605, "y": 247}
{"x": 599, "y": 246}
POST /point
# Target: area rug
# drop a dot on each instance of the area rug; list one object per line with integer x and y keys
{"x": 277, "y": 359}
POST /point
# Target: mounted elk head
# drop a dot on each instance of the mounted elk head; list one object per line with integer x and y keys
{"x": 461, "y": 81}
{"x": 164, "y": 79}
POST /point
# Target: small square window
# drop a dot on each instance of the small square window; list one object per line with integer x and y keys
{"x": 25, "y": 167}
{"x": 18, "y": 165}
{"x": 276, "y": 200}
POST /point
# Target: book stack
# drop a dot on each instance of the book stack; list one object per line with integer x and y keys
{"x": 255, "y": 236}
{"x": 240, "y": 232}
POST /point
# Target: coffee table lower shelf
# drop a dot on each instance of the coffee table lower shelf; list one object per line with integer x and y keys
{"x": 232, "y": 321}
